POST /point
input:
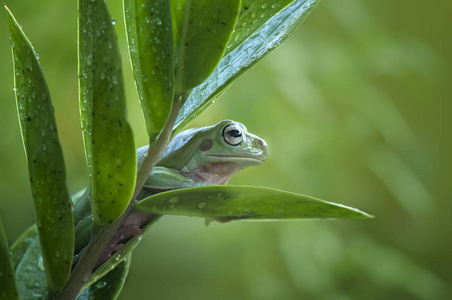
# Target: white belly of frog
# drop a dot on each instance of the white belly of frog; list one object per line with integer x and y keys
{"x": 214, "y": 173}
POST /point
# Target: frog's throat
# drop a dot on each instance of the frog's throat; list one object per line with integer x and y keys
{"x": 214, "y": 173}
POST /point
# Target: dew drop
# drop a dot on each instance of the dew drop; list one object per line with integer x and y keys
{"x": 173, "y": 200}
{"x": 100, "y": 284}
{"x": 40, "y": 264}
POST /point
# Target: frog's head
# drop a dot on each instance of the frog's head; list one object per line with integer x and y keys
{"x": 230, "y": 141}
{"x": 220, "y": 151}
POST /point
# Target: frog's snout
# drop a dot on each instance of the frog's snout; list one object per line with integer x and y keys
{"x": 262, "y": 146}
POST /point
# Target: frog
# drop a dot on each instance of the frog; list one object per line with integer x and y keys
{"x": 195, "y": 157}
{"x": 205, "y": 156}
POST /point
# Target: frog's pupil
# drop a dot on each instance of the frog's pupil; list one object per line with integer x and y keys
{"x": 235, "y": 133}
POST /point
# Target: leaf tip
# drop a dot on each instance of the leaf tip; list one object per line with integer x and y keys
{"x": 365, "y": 215}
{"x": 8, "y": 11}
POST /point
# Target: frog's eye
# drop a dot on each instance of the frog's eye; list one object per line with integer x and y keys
{"x": 232, "y": 134}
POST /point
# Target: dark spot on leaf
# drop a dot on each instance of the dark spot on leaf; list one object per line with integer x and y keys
{"x": 29, "y": 69}
{"x": 29, "y": 118}
{"x": 245, "y": 7}
{"x": 190, "y": 21}
{"x": 223, "y": 22}
{"x": 186, "y": 44}
{"x": 119, "y": 122}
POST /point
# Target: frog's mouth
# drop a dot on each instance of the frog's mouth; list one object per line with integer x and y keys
{"x": 235, "y": 157}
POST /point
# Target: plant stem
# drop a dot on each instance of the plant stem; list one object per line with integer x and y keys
{"x": 103, "y": 236}
{"x": 151, "y": 158}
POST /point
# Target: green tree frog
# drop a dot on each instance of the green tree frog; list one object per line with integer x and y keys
{"x": 203, "y": 156}
{"x": 195, "y": 157}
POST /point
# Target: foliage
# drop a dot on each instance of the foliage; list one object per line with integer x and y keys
{"x": 201, "y": 43}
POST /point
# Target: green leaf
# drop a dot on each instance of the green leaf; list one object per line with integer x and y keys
{"x": 245, "y": 55}
{"x": 45, "y": 160}
{"x": 254, "y": 14}
{"x": 30, "y": 275}
{"x": 8, "y": 289}
{"x": 226, "y": 202}
{"x": 109, "y": 144}
{"x": 201, "y": 29}
{"x": 150, "y": 39}
{"x": 21, "y": 245}
{"x": 110, "y": 285}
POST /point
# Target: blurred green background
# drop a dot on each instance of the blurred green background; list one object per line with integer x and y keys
{"x": 354, "y": 109}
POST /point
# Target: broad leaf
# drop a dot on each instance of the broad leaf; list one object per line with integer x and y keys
{"x": 45, "y": 160}
{"x": 8, "y": 289}
{"x": 109, "y": 144}
{"x": 245, "y": 55}
{"x": 30, "y": 275}
{"x": 254, "y": 14}
{"x": 150, "y": 39}
{"x": 201, "y": 29}
{"x": 21, "y": 245}
{"x": 110, "y": 285}
{"x": 226, "y": 202}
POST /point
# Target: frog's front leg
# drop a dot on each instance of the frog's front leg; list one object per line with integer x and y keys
{"x": 163, "y": 179}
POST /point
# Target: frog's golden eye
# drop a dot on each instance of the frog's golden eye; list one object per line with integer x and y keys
{"x": 232, "y": 134}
